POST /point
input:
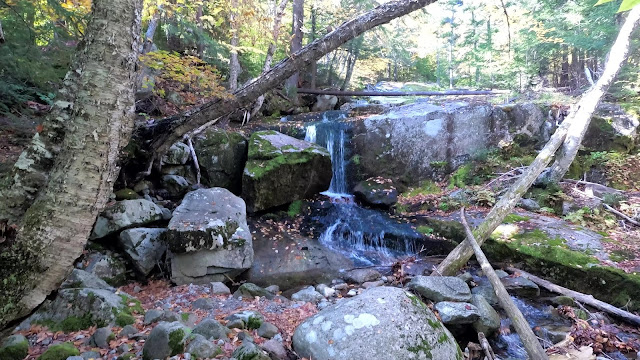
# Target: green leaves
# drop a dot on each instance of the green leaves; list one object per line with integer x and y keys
{"x": 626, "y": 4}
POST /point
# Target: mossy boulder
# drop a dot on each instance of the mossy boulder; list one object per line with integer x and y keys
{"x": 377, "y": 191}
{"x": 15, "y": 347}
{"x": 143, "y": 247}
{"x": 166, "y": 339}
{"x": 221, "y": 155}
{"x": 59, "y": 352}
{"x": 611, "y": 129}
{"x": 281, "y": 169}
{"x": 400, "y": 325}
{"x": 209, "y": 237}
{"x": 178, "y": 154}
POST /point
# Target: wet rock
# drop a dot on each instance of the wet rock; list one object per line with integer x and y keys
{"x": 376, "y": 191}
{"x": 275, "y": 349}
{"x": 267, "y": 330}
{"x": 210, "y": 328}
{"x": 166, "y": 339}
{"x": 441, "y": 288}
{"x": 489, "y": 321}
{"x": 175, "y": 185}
{"x": 14, "y": 347}
{"x": 178, "y": 154}
{"x": 125, "y": 214}
{"x": 101, "y": 337}
{"x": 456, "y": 313}
{"x": 209, "y": 237}
{"x": 359, "y": 276}
{"x": 281, "y": 169}
{"x": 143, "y": 247}
{"x": 553, "y": 334}
{"x": 345, "y": 330}
{"x": 82, "y": 279}
{"x": 249, "y": 350}
{"x": 308, "y": 294}
{"x": 222, "y": 155}
{"x": 521, "y": 286}
{"x": 563, "y": 300}
{"x": 324, "y": 103}
{"x": 250, "y": 291}
{"x": 201, "y": 348}
{"x": 219, "y": 288}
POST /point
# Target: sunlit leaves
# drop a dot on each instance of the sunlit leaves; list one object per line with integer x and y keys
{"x": 624, "y": 6}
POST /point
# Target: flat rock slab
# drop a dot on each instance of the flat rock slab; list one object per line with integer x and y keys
{"x": 125, "y": 214}
{"x": 456, "y": 313}
{"x": 441, "y": 288}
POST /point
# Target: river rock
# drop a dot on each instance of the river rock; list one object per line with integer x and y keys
{"x": 125, "y": 214}
{"x": 325, "y": 103}
{"x": 14, "y": 347}
{"x": 308, "y": 294}
{"x": 489, "y": 321}
{"x": 178, "y": 154}
{"x": 201, "y": 348}
{"x": 455, "y": 313}
{"x": 221, "y": 155}
{"x": 166, "y": 339}
{"x": 359, "y": 276}
{"x": 346, "y": 330}
{"x": 441, "y": 288}
{"x": 209, "y": 237}
{"x": 82, "y": 279}
{"x": 143, "y": 247}
{"x": 520, "y": 286}
{"x": 281, "y": 169}
{"x": 210, "y": 328}
{"x": 249, "y": 319}
{"x": 376, "y": 191}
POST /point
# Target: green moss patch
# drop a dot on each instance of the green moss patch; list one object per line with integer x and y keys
{"x": 295, "y": 208}
{"x": 14, "y": 350}
{"x": 59, "y": 352}
{"x": 176, "y": 341}
{"x": 426, "y": 187}
{"x": 514, "y": 218}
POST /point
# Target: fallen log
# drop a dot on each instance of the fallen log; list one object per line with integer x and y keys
{"x": 529, "y": 339}
{"x": 401, "y": 93}
{"x": 583, "y": 298}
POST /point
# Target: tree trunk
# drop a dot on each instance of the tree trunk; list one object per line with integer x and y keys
{"x": 151, "y": 30}
{"x": 296, "y": 44}
{"x": 529, "y": 339}
{"x": 56, "y": 227}
{"x": 166, "y": 132}
{"x": 584, "y": 110}
{"x": 200, "y": 31}
{"x": 314, "y": 65}
{"x": 576, "y": 124}
{"x": 2, "y": 39}
{"x": 352, "y": 63}
{"x": 234, "y": 66}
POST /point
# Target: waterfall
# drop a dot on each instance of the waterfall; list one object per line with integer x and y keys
{"x": 310, "y": 134}
{"x": 335, "y": 146}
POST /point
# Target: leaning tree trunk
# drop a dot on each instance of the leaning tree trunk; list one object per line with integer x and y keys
{"x": 576, "y": 124}
{"x": 55, "y": 228}
{"x": 166, "y": 132}
{"x": 234, "y": 66}
{"x": 617, "y": 55}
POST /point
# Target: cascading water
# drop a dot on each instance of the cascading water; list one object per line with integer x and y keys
{"x": 367, "y": 236}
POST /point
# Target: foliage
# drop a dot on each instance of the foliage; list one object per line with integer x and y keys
{"x": 295, "y": 208}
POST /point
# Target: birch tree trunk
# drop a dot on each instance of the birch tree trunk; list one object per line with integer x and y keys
{"x": 234, "y": 66}
{"x": 55, "y": 228}
{"x": 151, "y": 30}
{"x": 575, "y": 125}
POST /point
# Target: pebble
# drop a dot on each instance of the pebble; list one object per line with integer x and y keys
{"x": 352, "y": 292}
{"x": 342, "y": 286}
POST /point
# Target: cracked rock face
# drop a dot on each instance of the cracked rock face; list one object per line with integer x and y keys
{"x": 209, "y": 238}
{"x": 345, "y": 330}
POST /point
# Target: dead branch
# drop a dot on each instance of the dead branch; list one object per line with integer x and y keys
{"x": 484, "y": 343}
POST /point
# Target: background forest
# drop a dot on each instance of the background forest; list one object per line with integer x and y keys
{"x": 517, "y": 45}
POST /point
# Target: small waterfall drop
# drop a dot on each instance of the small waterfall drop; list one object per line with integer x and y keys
{"x": 336, "y": 147}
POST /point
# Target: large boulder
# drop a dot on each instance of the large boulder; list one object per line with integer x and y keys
{"x": 209, "y": 238}
{"x": 82, "y": 279}
{"x": 281, "y": 169}
{"x": 125, "y": 214}
{"x": 381, "y": 323}
{"x": 221, "y": 156}
{"x": 143, "y": 247}
{"x": 611, "y": 128}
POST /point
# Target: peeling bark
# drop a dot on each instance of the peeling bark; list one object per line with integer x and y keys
{"x": 55, "y": 228}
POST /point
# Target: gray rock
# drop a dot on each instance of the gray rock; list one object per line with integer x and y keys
{"x": 325, "y": 290}
{"x": 466, "y": 277}
{"x": 235, "y": 324}
{"x": 324, "y": 103}
{"x": 143, "y": 247}
{"x": 249, "y": 350}
{"x": 205, "y": 304}
{"x": 489, "y": 321}
{"x": 209, "y": 237}
{"x": 486, "y": 291}
{"x": 128, "y": 330}
{"x": 123, "y": 348}
{"x": 554, "y": 334}
{"x": 166, "y": 339}
{"x": 359, "y": 276}
{"x": 281, "y": 169}
{"x": 370, "y": 284}
{"x": 275, "y": 349}
{"x": 501, "y": 273}
{"x": 274, "y": 289}
{"x": 75, "y": 358}
{"x": 175, "y": 185}
{"x": 14, "y": 347}
{"x": 457, "y": 312}
{"x": 152, "y": 315}
{"x": 529, "y": 204}
{"x": 178, "y": 154}
{"x": 188, "y": 319}
{"x": 90, "y": 355}
{"x": 211, "y": 329}
{"x": 106, "y": 265}
{"x": 251, "y": 319}
{"x": 308, "y": 294}
{"x": 126, "y": 214}
{"x": 101, "y": 337}
{"x": 250, "y": 291}
{"x": 376, "y": 191}
{"x": 82, "y": 279}
{"x": 267, "y": 330}
{"x": 360, "y": 328}
{"x": 441, "y": 288}
{"x": 201, "y": 348}
{"x": 219, "y": 288}
{"x": 222, "y": 155}
{"x": 521, "y": 286}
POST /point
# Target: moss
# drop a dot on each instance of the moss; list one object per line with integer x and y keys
{"x": 124, "y": 319}
{"x": 426, "y": 187}
{"x": 295, "y": 208}
{"x": 621, "y": 255}
{"x": 425, "y": 230}
{"x": 176, "y": 341}
{"x": 74, "y": 323}
{"x": 15, "y": 351}
{"x": 421, "y": 348}
{"x": 126, "y": 194}
{"x": 452, "y": 230}
{"x": 401, "y": 208}
{"x": 443, "y": 338}
{"x": 254, "y": 322}
{"x": 461, "y": 177}
{"x": 262, "y": 149}
{"x": 514, "y": 218}
{"x": 258, "y": 167}
{"x": 127, "y": 356}
{"x": 59, "y": 352}
{"x": 355, "y": 159}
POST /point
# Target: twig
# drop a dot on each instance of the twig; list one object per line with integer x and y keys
{"x": 606, "y": 206}
{"x": 195, "y": 160}
{"x": 611, "y": 209}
